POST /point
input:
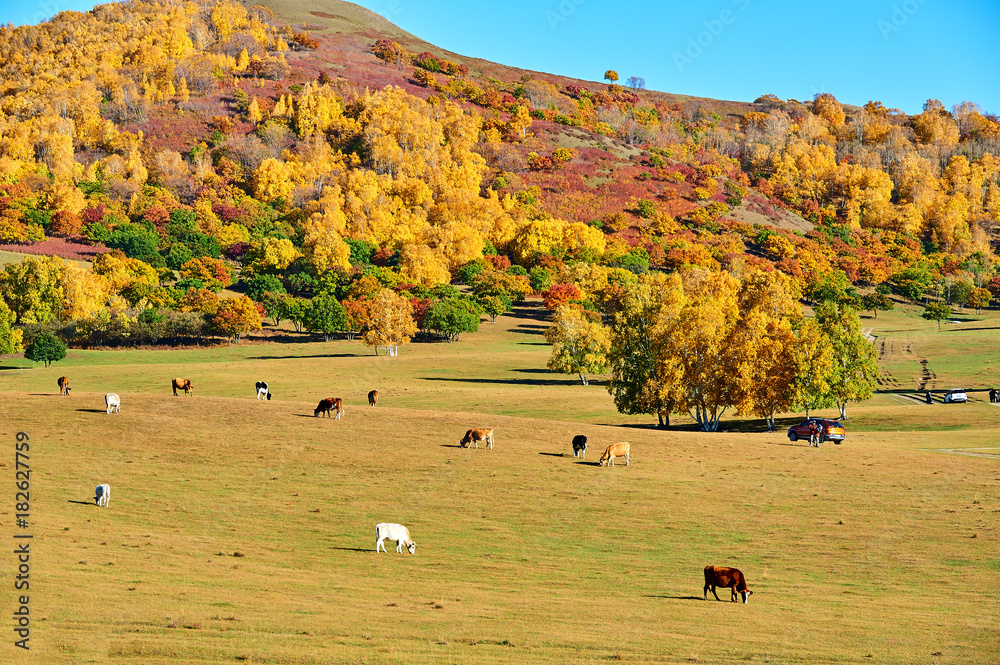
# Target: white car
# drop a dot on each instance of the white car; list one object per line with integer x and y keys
{"x": 955, "y": 395}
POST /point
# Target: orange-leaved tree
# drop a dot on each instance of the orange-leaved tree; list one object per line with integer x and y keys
{"x": 237, "y": 317}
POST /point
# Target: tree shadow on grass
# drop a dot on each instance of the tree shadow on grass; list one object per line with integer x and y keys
{"x": 12, "y": 367}
{"x": 516, "y": 382}
{"x": 316, "y": 355}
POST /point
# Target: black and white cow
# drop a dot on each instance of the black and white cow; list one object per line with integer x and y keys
{"x": 262, "y": 391}
{"x": 580, "y": 446}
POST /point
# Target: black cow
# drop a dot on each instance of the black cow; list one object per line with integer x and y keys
{"x": 580, "y": 446}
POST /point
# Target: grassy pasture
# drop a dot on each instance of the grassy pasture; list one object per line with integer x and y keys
{"x": 881, "y": 550}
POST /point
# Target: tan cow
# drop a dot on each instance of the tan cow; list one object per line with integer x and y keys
{"x": 183, "y": 384}
{"x": 63, "y": 385}
{"x": 474, "y": 436}
{"x": 616, "y": 450}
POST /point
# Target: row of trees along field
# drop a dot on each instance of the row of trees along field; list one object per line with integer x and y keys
{"x": 702, "y": 342}
{"x": 173, "y": 135}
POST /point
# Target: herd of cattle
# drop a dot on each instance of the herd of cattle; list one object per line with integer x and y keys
{"x": 715, "y": 577}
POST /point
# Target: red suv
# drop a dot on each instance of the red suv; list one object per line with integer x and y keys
{"x": 831, "y": 430}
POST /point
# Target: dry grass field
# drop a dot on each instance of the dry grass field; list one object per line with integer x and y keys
{"x": 241, "y": 531}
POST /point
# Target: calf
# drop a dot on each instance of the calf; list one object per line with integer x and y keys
{"x": 397, "y": 532}
{"x": 63, "y": 385}
{"x": 263, "y": 392}
{"x": 327, "y": 405}
{"x": 477, "y": 435}
{"x": 616, "y": 450}
{"x": 730, "y": 578}
{"x": 102, "y": 494}
{"x": 182, "y": 384}
{"x": 580, "y": 446}
{"x": 114, "y": 402}
{"x": 373, "y": 398}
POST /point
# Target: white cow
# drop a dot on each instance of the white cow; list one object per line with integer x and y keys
{"x": 396, "y": 532}
{"x": 114, "y": 402}
{"x": 103, "y": 493}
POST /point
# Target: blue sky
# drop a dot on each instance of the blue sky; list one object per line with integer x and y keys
{"x": 900, "y": 52}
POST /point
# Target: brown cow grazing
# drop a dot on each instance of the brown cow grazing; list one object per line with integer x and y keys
{"x": 183, "y": 384}
{"x": 616, "y": 450}
{"x": 373, "y": 398}
{"x": 474, "y": 436}
{"x": 730, "y": 578}
{"x": 327, "y": 405}
{"x": 63, "y": 385}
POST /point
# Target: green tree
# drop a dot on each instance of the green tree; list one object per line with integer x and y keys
{"x": 937, "y": 311}
{"x": 875, "y": 302}
{"x": 326, "y": 315}
{"x": 579, "y": 345}
{"x": 540, "y": 279}
{"x": 494, "y": 306}
{"x": 453, "y": 316}
{"x": 45, "y": 348}
{"x": 295, "y": 310}
{"x": 137, "y": 243}
{"x": 855, "y": 363}
{"x": 33, "y": 288}
{"x": 638, "y": 382}
{"x": 814, "y": 367}
{"x": 262, "y": 283}
{"x": 10, "y": 337}
{"x": 912, "y": 283}
{"x": 274, "y": 303}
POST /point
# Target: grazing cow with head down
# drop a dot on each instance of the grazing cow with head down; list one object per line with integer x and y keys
{"x": 730, "y": 578}
{"x": 397, "y": 532}
{"x": 102, "y": 494}
{"x": 328, "y": 404}
{"x": 373, "y": 398}
{"x": 263, "y": 392}
{"x": 474, "y": 436}
{"x": 580, "y": 446}
{"x": 616, "y": 450}
{"x": 63, "y": 385}
{"x": 114, "y": 402}
{"x": 182, "y": 384}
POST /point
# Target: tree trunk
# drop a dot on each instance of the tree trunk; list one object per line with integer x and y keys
{"x": 843, "y": 410}
{"x": 583, "y": 378}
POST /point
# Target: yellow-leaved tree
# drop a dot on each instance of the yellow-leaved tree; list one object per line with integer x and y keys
{"x": 389, "y": 322}
{"x": 579, "y": 345}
